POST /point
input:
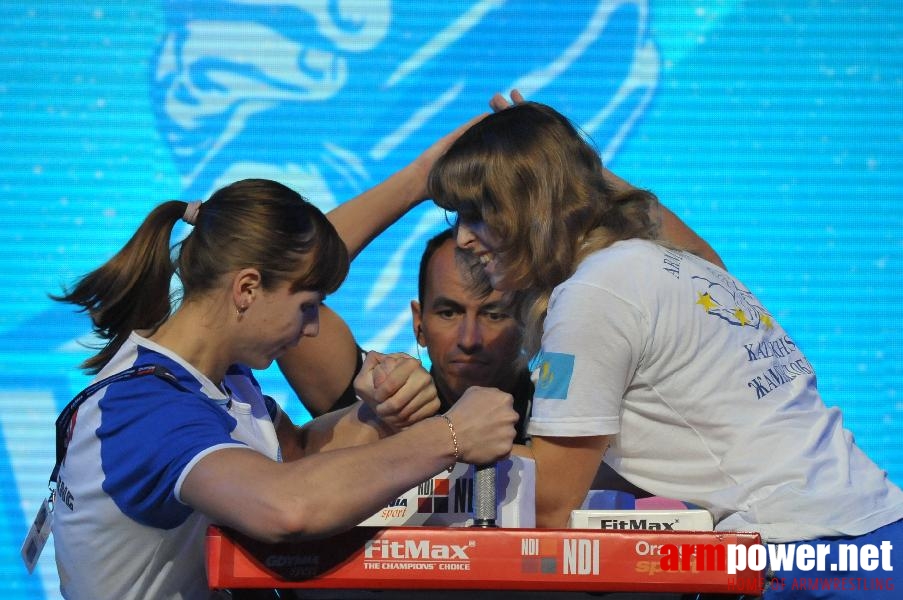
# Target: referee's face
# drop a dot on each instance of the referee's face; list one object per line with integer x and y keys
{"x": 471, "y": 340}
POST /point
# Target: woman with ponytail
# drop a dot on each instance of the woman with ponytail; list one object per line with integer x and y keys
{"x": 175, "y": 433}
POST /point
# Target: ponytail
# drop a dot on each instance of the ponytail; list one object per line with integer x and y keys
{"x": 255, "y": 223}
{"x": 131, "y": 290}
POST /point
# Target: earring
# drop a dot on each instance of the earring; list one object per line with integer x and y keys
{"x": 240, "y": 311}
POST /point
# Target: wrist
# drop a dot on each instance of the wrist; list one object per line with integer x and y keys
{"x": 456, "y": 451}
{"x": 415, "y": 176}
{"x": 368, "y": 416}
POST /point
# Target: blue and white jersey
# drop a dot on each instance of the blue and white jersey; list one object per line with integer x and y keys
{"x": 120, "y": 528}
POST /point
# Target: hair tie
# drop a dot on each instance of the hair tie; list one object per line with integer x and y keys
{"x": 191, "y": 212}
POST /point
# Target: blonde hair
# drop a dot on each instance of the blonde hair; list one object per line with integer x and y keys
{"x": 540, "y": 188}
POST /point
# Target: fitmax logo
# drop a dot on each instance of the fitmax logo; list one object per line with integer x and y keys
{"x": 413, "y": 550}
{"x": 637, "y": 524}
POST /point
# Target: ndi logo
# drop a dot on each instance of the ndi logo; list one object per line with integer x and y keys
{"x": 439, "y": 495}
{"x": 539, "y": 555}
{"x": 581, "y": 557}
{"x": 432, "y": 496}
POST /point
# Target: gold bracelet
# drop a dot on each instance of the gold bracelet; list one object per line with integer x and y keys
{"x": 451, "y": 428}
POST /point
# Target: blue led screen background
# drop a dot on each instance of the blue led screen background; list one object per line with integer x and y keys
{"x": 775, "y": 129}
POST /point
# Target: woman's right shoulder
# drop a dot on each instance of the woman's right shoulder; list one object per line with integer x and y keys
{"x": 626, "y": 256}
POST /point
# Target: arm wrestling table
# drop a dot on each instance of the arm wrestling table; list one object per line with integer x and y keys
{"x": 476, "y": 558}
{"x": 485, "y": 558}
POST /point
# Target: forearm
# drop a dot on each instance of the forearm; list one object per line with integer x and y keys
{"x": 478, "y": 429}
{"x": 321, "y": 494}
{"x": 318, "y": 490}
{"x": 365, "y": 216}
{"x": 348, "y": 427}
{"x": 375, "y": 472}
{"x": 565, "y": 467}
{"x": 319, "y": 369}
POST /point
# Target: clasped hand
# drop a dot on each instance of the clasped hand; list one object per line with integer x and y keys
{"x": 396, "y": 388}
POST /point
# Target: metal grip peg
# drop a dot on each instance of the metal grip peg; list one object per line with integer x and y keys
{"x": 484, "y": 495}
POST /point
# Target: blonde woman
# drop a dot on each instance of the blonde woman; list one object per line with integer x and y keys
{"x": 649, "y": 355}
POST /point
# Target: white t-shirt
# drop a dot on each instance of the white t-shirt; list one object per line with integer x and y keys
{"x": 709, "y": 400}
{"x": 120, "y": 529}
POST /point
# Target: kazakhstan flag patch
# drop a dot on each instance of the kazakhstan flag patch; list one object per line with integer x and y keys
{"x": 554, "y": 375}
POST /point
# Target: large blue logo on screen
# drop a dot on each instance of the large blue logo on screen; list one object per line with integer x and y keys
{"x": 331, "y": 97}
